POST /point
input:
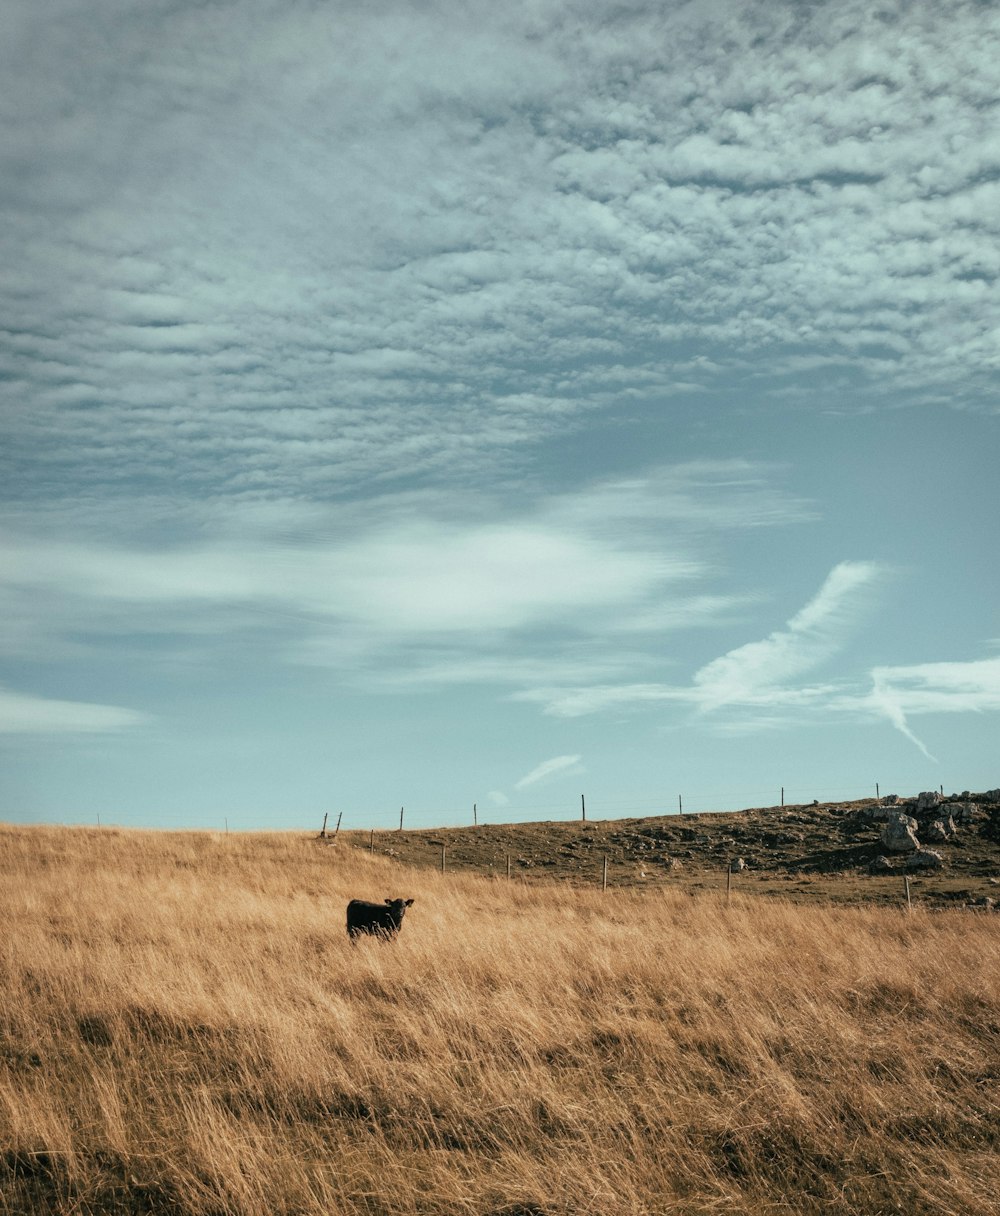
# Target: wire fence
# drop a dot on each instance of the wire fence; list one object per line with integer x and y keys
{"x": 477, "y": 813}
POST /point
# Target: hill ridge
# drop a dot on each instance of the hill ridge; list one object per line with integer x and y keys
{"x": 815, "y": 849}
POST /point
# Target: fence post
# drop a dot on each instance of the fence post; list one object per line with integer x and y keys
{"x": 729, "y": 884}
{"x": 400, "y": 818}
{"x": 906, "y": 888}
{"x": 604, "y": 877}
{"x": 583, "y": 810}
{"x": 680, "y": 805}
{"x": 782, "y": 795}
{"x": 442, "y": 858}
{"x": 877, "y": 796}
{"x": 508, "y": 867}
{"x": 340, "y": 816}
{"x": 475, "y": 816}
{"x": 322, "y": 830}
{"x": 371, "y": 844}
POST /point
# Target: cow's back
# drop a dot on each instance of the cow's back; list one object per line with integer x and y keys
{"x": 364, "y": 917}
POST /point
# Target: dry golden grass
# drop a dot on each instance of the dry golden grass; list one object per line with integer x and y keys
{"x": 186, "y": 1029}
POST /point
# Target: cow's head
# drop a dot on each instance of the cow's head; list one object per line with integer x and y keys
{"x": 399, "y": 905}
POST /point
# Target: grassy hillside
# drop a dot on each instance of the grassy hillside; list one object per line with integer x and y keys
{"x": 801, "y": 853}
{"x": 186, "y": 1029}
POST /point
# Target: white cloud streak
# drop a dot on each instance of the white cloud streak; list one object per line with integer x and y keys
{"x": 22, "y": 713}
{"x": 898, "y": 693}
{"x": 564, "y": 765}
{"x": 760, "y": 672}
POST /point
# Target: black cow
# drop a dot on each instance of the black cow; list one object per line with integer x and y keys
{"x": 381, "y": 920}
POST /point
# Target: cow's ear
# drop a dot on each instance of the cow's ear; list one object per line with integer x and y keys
{"x": 390, "y": 902}
{"x": 408, "y": 902}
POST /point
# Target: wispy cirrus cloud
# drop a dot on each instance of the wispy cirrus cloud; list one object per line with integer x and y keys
{"x": 763, "y": 672}
{"x": 759, "y": 676}
{"x": 26, "y": 714}
{"x": 899, "y": 693}
{"x": 564, "y": 765}
{"x": 760, "y": 686}
{"x": 427, "y": 591}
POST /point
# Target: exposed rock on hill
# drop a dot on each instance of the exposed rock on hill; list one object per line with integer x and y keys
{"x": 834, "y": 849}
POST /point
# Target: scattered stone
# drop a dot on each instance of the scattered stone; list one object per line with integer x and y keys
{"x": 924, "y": 859}
{"x": 891, "y": 800}
{"x": 927, "y": 800}
{"x": 881, "y": 865}
{"x": 939, "y": 831}
{"x": 965, "y": 812}
{"x": 900, "y": 834}
{"x": 737, "y": 865}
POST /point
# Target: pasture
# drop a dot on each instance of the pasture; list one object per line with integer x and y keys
{"x": 186, "y": 1028}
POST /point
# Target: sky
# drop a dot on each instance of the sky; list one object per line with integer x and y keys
{"x": 453, "y": 405}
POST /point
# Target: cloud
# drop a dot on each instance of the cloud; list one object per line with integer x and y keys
{"x": 898, "y": 693}
{"x": 549, "y": 768}
{"x": 24, "y": 713}
{"x": 421, "y": 590}
{"x": 272, "y": 263}
{"x": 758, "y": 676}
{"x": 760, "y": 672}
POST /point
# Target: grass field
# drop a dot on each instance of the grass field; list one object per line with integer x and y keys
{"x": 186, "y": 1029}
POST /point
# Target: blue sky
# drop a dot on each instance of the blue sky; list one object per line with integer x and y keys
{"x": 438, "y": 404}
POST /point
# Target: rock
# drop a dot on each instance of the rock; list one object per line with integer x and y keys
{"x": 924, "y": 859}
{"x": 939, "y": 831}
{"x": 900, "y": 834}
{"x": 965, "y": 812}
{"x": 891, "y": 800}
{"x": 881, "y": 865}
{"x": 737, "y": 865}
{"x": 927, "y": 800}
{"x": 992, "y": 795}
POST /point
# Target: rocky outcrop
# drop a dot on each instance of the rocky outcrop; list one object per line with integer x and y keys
{"x": 899, "y": 835}
{"x": 939, "y": 831}
{"x": 924, "y": 859}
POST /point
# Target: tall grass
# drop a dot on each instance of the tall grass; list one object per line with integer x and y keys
{"x": 186, "y": 1028}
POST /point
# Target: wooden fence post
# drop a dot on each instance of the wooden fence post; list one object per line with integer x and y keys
{"x": 371, "y": 844}
{"x": 604, "y": 878}
{"x": 442, "y": 858}
{"x": 583, "y": 810}
{"x": 508, "y": 867}
{"x": 680, "y": 805}
{"x": 906, "y": 888}
{"x": 729, "y": 884}
{"x": 400, "y": 818}
{"x": 340, "y": 816}
{"x": 475, "y": 817}
{"x": 322, "y": 831}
